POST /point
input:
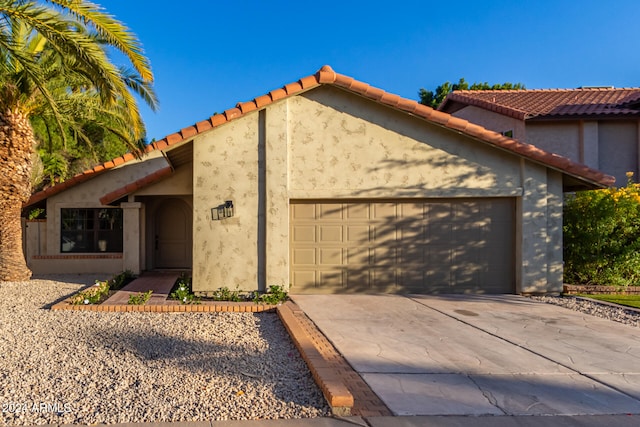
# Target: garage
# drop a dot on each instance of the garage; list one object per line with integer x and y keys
{"x": 400, "y": 246}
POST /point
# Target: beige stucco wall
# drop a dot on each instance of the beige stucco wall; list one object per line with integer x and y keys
{"x": 560, "y": 138}
{"x": 329, "y": 144}
{"x": 618, "y": 147}
{"x": 225, "y": 253}
{"x": 490, "y": 120}
{"x": 608, "y": 145}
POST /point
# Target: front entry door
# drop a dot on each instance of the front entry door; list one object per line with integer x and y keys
{"x": 173, "y": 234}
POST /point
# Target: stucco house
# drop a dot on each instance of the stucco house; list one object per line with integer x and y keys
{"x": 326, "y": 184}
{"x": 599, "y": 127}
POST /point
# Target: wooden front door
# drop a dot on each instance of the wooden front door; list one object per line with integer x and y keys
{"x": 173, "y": 225}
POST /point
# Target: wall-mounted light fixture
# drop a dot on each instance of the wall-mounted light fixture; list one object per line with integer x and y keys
{"x": 222, "y": 211}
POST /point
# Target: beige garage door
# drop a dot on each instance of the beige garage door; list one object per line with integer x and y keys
{"x": 443, "y": 246}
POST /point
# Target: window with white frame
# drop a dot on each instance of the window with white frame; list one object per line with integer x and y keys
{"x": 90, "y": 230}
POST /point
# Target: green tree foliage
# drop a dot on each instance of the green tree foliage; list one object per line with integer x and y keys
{"x": 602, "y": 236}
{"x": 435, "y": 98}
{"x": 56, "y": 70}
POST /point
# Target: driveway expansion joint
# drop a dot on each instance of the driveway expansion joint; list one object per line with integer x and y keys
{"x": 511, "y": 342}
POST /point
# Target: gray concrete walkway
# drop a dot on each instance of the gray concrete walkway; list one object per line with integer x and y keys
{"x": 483, "y": 356}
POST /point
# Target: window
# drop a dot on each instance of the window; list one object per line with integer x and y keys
{"x": 91, "y": 230}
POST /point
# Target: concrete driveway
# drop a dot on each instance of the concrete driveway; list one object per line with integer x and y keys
{"x": 482, "y": 355}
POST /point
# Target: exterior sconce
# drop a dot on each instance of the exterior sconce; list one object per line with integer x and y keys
{"x": 222, "y": 211}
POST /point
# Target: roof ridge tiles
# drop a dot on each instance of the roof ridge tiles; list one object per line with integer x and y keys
{"x": 577, "y": 89}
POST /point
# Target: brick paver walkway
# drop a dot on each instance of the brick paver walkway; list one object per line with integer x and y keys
{"x": 159, "y": 283}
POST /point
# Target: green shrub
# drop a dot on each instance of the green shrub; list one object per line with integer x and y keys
{"x": 225, "y": 294}
{"x": 275, "y": 296}
{"x": 182, "y": 291}
{"x": 93, "y": 295}
{"x": 140, "y": 298}
{"x": 121, "y": 280}
{"x": 602, "y": 236}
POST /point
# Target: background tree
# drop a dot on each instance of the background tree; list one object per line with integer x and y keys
{"x": 435, "y": 98}
{"x": 55, "y": 68}
{"x": 601, "y": 238}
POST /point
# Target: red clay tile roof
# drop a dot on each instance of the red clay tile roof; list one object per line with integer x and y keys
{"x": 326, "y": 75}
{"x": 549, "y": 103}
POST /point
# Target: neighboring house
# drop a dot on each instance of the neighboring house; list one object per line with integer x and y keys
{"x": 328, "y": 185}
{"x": 599, "y": 127}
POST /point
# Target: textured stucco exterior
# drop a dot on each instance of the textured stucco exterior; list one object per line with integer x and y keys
{"x": 328, "y": 144}
{"x": 325, "y": 144}
{"x": 609, "y": 145}
{"x": 493, "y": 121}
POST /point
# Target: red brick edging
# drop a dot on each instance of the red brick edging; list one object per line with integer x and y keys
{"x": 169, "y": 306}
{"x": 582, "y": 289}
{"x": 333, "y": 388}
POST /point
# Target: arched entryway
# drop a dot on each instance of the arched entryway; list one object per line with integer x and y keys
{"x": 172, "y": 234}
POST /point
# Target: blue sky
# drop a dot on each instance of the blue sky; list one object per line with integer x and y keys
{"x": 209, "y": 55}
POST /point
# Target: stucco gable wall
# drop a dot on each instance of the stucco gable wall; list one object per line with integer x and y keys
{"x": 494, "y": 121}
{"x": 180, "y": 183}
{"x": 342, "y": 145}
{"x": 330, "y": 144}
{"x": 88, "y": 193}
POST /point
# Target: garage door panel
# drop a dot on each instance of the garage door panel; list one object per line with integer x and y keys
{"x": 411, "y": 230}
{"x": 466, "y": 275}
{"x": 330, "y": 233}
{"x": 331, "y": 256}
{"x": 304, "y": 279}
{"x": 358, "y": 211}
{"x": 358, "y": 280}
{"x": 330, "y": 211}
{"x": 440, "y": 213}
{"x": 412, "y": 255}
{"x": 304, "y": 256}
{"x": 384, "y": 233}
{"x": 332, "y": 277}
{"x": 384, "y": 211}
{"x": 383, "y": 279}
{"x": 304, "y": 211}
{"x": 412, "y": 280}
{"x": 384, "y": 256}
{"x": 358, "y": 234}
{"x": 304, "y": 233}
{"x": 414, "y": 211}
{"x": 439, "y": 233}
{"x": 359, "y": 256}
{"x": 426, "y": 246}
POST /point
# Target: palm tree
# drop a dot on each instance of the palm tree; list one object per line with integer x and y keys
{"x": 54, "y": 64}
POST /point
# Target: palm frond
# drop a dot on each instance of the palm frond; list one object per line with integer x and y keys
{"x": 114, "y": 32}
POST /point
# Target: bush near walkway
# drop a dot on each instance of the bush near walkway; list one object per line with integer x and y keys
{"x": 602, "y": 236}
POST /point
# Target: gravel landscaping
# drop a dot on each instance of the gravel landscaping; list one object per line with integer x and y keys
{"x": 594, "y": 308}
{"x": 86, "y": 367}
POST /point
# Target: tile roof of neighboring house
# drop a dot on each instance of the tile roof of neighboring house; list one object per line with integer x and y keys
{"x": 327, "y": 76}
{"x": 549, "y": 103}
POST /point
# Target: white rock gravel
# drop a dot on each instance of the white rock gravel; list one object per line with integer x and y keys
{"x": 594, "y": 308}
{"x": 80, "y": 367}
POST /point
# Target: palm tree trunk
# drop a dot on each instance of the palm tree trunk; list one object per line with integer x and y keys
{"x": 16, "y": 144}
